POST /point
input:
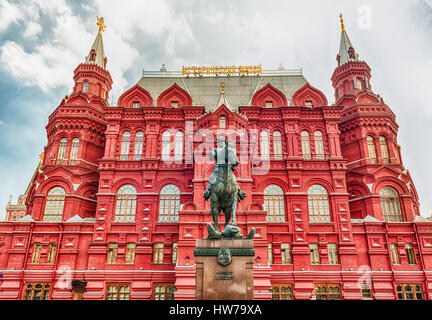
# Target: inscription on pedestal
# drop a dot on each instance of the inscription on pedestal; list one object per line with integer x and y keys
{"x": 224, "y": 275}
{"x": 224, "y": 269}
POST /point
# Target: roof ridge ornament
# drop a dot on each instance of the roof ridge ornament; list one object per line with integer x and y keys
{"x": 101, "y": 24}
{"x": 342, "y": 22}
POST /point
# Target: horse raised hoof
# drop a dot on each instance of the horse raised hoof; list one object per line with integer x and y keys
{"x": 212, "y": 233}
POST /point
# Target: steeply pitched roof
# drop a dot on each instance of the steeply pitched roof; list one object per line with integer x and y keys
{"x": 99, "y": 51}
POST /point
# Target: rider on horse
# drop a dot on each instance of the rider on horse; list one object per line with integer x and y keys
{"x": 224, "y": 154}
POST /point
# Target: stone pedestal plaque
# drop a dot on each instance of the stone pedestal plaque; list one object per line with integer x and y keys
{"x": 224, "y": 269}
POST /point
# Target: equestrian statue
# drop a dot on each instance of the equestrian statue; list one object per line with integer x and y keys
{"x": 224, "y": 192}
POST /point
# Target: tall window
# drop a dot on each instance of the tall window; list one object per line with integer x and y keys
{"x": 174, "y": 253}
{"x": 178, "y": 146}
{"x": 112, "y": 253}
{"x": 411, "y": 256}
{"x": 319, "y": 145}
{"x": 409, "y": 291}
{"x": 328, "y": 291}
{"x": 52, "y": 252}
{"x": 371, "y": 149}
{"x": 286, "y": 253}
{"x": 390, "y": 205}
{"x": 126, "y": 204}
{"x": 85, "y": 86}
{"x": 222, "y": 122}
{"x": 74, "y": 151}
{"x": 163, "y": 291}
{"x": 394, "y": 253}
{"x": 318, "y": 205}
{"x": 62, "y": 150}
{"x": 332, "y": 253}
{"x": 265, "y": 145}
{"x": 384, "y": 149}
{"x": 117, "y": 291}
{"x": 357, "y": 84}
{"x": 124, "y": 152}
{"x": 130, "y": 253}
{"x": 54, "y": 204}
{"x": 277, "y": 145}
{"x": 274, "y": 203}
{"x": 158, "y": 253}
{"x": 305, "y": 145}
{"x": 314, "y": 253}
{"x": 169, "y": 203}
{"x": 37, "y": 291}
{"x": 36, "y": 252}
{"x": 281, "y": 291}
{"x": 270, "y": 253}
{"x": 139, "y": 137}
{"x": 166, "y": 137}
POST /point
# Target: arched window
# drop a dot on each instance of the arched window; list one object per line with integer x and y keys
{"x": 384, "y": 149}
{"x": 85, "y": 86}
{"x": 319, "y": 145}
{"x": 138, "y": 145}
{"x": 126, "y": 204}
{"x": 178, "y": 150}
{"x": 318, "y": 204}
{"x": 265, "y": 145}
{"x": 166, "y": 137}
{"x": 371, "y": 149}
{"x": 74, "y": 151}
{"x": 357, "y": 84}
{"x": 222, "y": 122}
{"x": 277, "y": 145}
{"x": 305, "y": 145}
{"x": 274, "y": 203}
{"x": 169, "y": 203}
{"x": 390, "y": 205}
{"x": 62, "y": 150}
{"x": 54, "y": 204}
{"x": 125, "y": 146}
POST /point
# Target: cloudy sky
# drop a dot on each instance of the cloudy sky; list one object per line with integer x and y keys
{"x": 42, "y": 41}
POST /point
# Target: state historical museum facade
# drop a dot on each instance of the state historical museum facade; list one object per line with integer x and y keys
{"x": 116, "y": 204}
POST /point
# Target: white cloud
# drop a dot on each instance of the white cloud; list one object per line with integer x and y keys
{"x": 32, "y": 29}
{"x": 9, "y": 13}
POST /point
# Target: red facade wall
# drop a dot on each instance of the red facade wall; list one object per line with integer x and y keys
{"x": 352, "y": 181}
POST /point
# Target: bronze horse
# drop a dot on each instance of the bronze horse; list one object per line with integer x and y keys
{"x": 223, "y": 190}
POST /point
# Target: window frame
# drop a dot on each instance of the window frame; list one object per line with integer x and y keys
{"x": 165, "y": 285}
{"x": 327, "y": 293}
{"x": 118, "y": 286}
{"x": 45, "y": 290}
{"x": 278, "y": 291}
{"x": 274, "y": 195}
{"x": 318, "y": 205}
{"x": 414, "y": 292}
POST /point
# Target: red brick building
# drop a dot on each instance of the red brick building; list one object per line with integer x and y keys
{"x": 115, "y": 206}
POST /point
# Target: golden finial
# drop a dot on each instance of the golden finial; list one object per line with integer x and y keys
{"x": 223, "y": 87}
{"x": 101, "y": 24}
{"x": 41, "y": 156}
{"x": 342, "y": 22}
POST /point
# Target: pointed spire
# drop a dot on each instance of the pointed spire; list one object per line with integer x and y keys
{"x": 222, "y": 98}
{"x": 346, "y": 49}
{"x": 97, "y": 53}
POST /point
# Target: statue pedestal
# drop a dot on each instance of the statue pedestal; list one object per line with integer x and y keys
{"x": 224, "y": 269}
